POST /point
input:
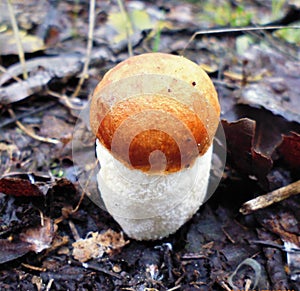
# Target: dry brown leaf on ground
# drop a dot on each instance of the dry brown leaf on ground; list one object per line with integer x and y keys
{"x": 290, "y": 149}
{"x": 25, "y": 184}
{"x": 41, "y": 237}
{"x": 240, "y": 146}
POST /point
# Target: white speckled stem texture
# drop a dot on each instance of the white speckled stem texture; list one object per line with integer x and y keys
{"x": 150, "y": 207}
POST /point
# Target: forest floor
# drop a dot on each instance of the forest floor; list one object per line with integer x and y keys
{"x": 54, "y": 237}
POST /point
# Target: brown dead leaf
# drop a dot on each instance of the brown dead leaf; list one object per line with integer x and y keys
{"x": 240, "y": 147}
{"x": 94, "y": 247}
{"x": 40, "y": 238}
{"x": 18, "y": 187}
{"x": 290, "y": 149}
{"x": 25, "y": 184}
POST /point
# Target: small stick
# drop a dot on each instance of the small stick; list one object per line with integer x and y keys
{"x": 74, "y": 230}
{"x": 27, "y": 113}
{"x": 84, "y": 73}
{"x": 100, "y": 269}
{"x": 17, "y": 37}
{"x": 65, "y": 100}
{"x": 30, "y": 132}
{"x": 48, "y": 287}
{"x": 34, "y": 268}
{"x": 271, "y": 198}
{"x": 174, "y": 288}
{"x": 4, "y": 70}
{"x": 237, "y": 29}
{"x": 248, "y": 284}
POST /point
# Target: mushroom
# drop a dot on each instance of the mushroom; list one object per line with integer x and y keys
{"x": 154, "y": 116}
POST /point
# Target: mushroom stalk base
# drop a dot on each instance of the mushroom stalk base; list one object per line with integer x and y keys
{"x": 150, "y": 207}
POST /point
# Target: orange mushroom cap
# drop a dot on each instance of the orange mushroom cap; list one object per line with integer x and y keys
{"x": 155, "y": 103}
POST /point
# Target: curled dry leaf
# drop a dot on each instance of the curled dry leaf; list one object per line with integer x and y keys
{"x": 290, "y": 149}
{"x": 240, "y": 145}
{"x": 94, "y": 247}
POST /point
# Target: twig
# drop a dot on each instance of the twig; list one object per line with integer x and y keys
{"x": 271, "y": 198}
{"x": 34, "y": 268}
{"x": 99, "y": 269}
{"x": 89, "y": 48}
{"x": 128, "y": 26}
{"x": 31, "y": 133}
{"x": 74, "y": 230}
{"x": 4, "y": 70}
{"x": 17, "y": 37}
{"x": 49, "y": 285}
{"x": 223, "y": 284}
{"x": 193, "y": 257}
{"x": 270, "y": 244}
{"x": 25, "y": 114}
{"x": 174, "y": 288}
{"x": 248, "y": 284}
{"x": 79, "y": 202}
{"x": 237, "y": 29}
{"x": 65, "y": 100}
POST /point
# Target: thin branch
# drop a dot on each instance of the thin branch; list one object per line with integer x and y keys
{"x": 271, "y": 198}
{"x": 65, "y": 100}
{"x": 4, "y": 70}
{"x": 27, "y": 113}
{"x": 30, "y": 132}
{"x": 237, "y": 29}
{"x": 17, "y": 37}
{"x": 100, "y": 269}
{"x": 175, "y": 288}
{"x": 84, "y": 74}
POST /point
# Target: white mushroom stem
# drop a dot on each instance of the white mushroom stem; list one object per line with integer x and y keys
{"x": 150, "y": 207}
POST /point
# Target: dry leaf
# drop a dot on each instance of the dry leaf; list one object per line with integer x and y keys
{"x": 12, "y": 250}
{"x": 290, "y": 149}
{"x": 30, "y": 43}
{"x": 94, "y": 247}
{"x": 40, "y": 237}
